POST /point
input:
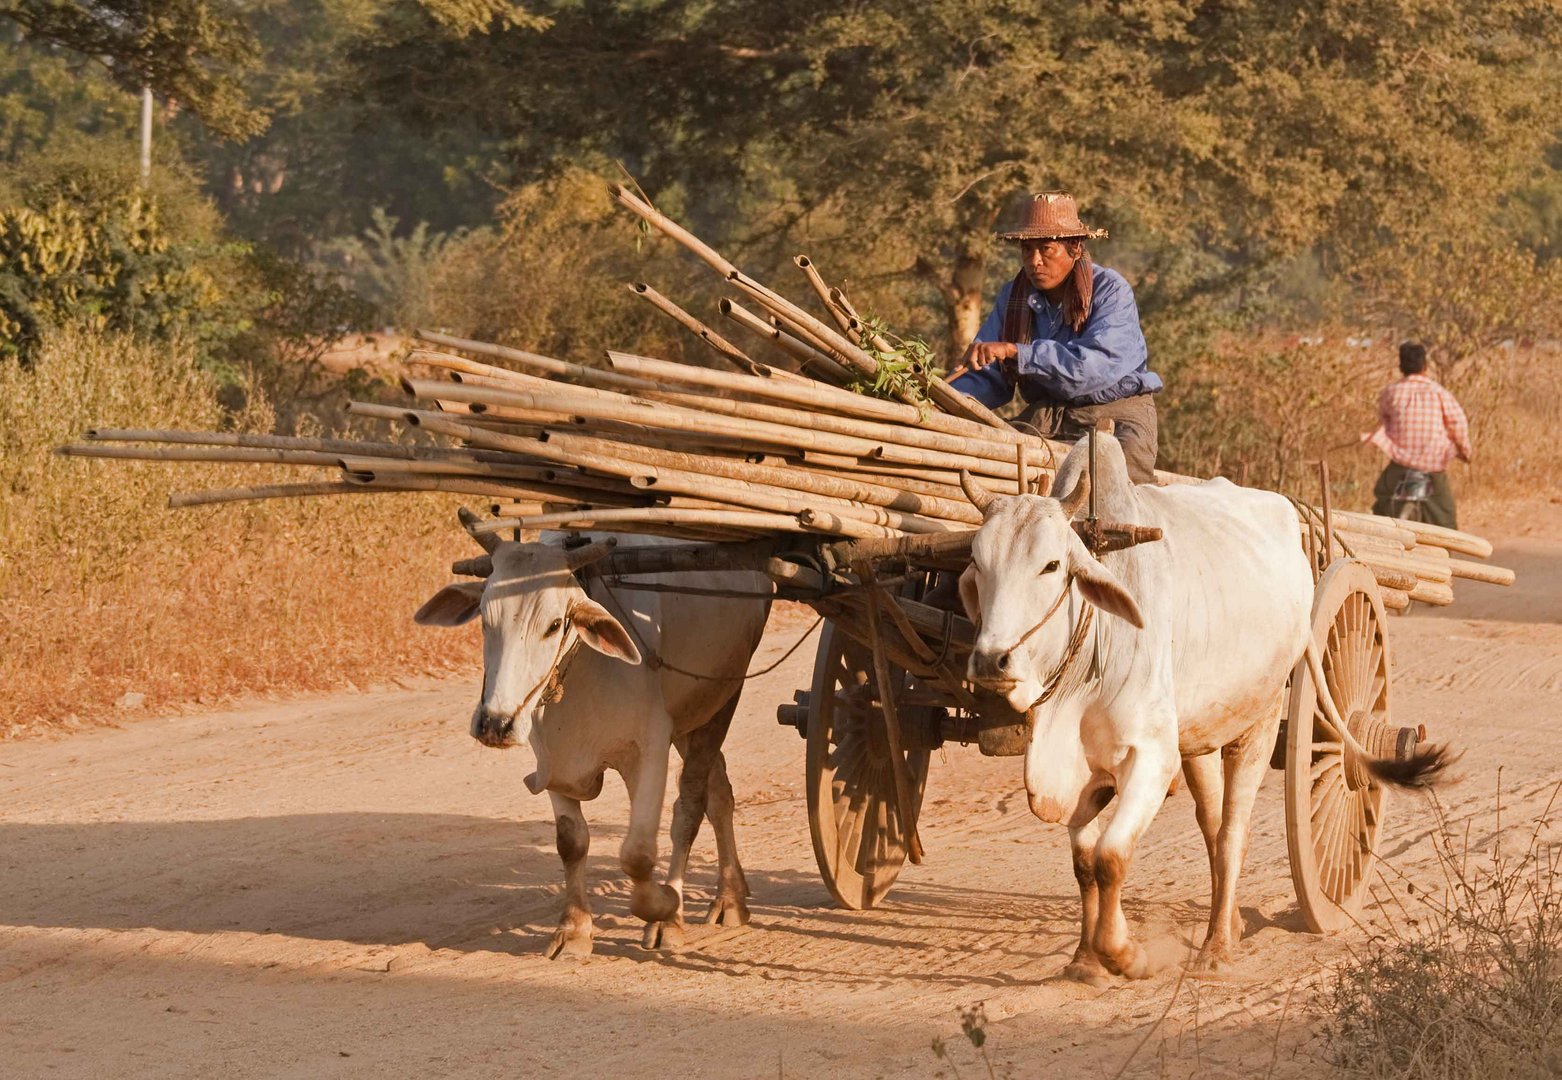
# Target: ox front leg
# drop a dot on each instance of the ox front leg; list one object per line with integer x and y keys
{"x": 1086, "y": 967}
{"x": 573, "y": 937}
{"x": 1142, "y": 786}
{"x": 1246, "y": 761}
{"x": 647, "y": 783}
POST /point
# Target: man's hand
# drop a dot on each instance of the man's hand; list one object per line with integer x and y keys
{"x": 983, "y": 354}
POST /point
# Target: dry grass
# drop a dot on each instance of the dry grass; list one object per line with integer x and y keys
{"x": 1469, "y": 983}
{"x": 108, "y": 593}
{"x": 1269, "y": 409}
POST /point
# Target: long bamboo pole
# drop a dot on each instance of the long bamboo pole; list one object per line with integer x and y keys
{"x": 213, "y": 454}
{"x": 815, "y": 396}
{"x": 560, "y": 369}
{"x": 811, "y": 359}
{"x": 718, "y": 344}
{"x": 796, "y": 479}
{"x": 738, "y": 519}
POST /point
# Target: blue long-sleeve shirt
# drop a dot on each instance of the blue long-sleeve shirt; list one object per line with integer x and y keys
{"x": 1105, "y": 361}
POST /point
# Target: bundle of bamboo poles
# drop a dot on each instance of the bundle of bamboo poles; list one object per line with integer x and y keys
{"x": 739, "y": 452}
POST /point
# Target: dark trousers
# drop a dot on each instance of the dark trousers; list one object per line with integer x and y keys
{"x": 1133, "y": 419}
{"x": 1438, "y": 509}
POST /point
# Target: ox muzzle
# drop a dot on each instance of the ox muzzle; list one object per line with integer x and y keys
{"x": 993, "y": 669}
{"x": 494, "y": 729}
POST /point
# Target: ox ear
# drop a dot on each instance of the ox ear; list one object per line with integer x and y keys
{"x": 1100, "y": 586}
{"x": 602, "y": 632}
{"x": 451, "y": 606}
{"x": 970, "y": 595}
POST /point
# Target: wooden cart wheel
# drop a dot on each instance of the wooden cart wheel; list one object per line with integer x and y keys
{"x": 859, "y": 840}
{"x": 1333, "y": 808}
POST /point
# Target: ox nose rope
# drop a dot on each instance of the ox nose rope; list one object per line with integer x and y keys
{"x": 1056, "y": 682}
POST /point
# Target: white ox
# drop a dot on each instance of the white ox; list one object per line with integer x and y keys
{"x": 585, "y": 711}
{"x": 1209, "y": 622}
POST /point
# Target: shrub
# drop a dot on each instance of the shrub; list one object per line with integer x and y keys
{"x": 1471, "y": 986}
{"x": 108, "y": 592}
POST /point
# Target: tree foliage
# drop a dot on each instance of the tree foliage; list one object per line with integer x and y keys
{"x": 1216, "y": 139}
{"x": 191, "y": 52}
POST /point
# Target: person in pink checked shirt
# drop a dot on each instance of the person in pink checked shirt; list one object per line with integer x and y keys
{"x": 1421, "y": 428}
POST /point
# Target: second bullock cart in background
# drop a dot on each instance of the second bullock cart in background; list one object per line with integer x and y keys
{"x": 889, "y": 687}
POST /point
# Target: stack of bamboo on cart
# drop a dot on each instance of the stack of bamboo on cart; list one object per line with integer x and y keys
{"x": 732, "y": 453}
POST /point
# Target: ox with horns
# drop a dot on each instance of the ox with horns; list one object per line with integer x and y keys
{"x": 1199, "y": 634}
{"x": 658, "y": 671}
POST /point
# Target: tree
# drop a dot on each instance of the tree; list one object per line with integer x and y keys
{"x": 1218, "y": 139}
{"x": 190, "y": 52}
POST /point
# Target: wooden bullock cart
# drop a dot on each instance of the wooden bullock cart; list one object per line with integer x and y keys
{"x": 889, "y": 688}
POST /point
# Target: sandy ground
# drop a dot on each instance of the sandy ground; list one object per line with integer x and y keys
{"x": 351, "y": 887}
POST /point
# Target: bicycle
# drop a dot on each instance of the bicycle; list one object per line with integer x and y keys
{"x": 1412, "y": 493}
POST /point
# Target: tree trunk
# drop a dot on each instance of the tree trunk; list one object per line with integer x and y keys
{"x": 965, "y": 303}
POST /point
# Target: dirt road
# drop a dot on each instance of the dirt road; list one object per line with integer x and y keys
{"x": 352, "y": 887}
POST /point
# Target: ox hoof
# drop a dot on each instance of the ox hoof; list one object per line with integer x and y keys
{"x": 569, "y": 941}
{"x": 727, "y": 911}
{"x": 654, "y": 903}
{"x": 1213, "y": 961}
{"x": 667, "y": 936}
{"x": 1086, "y": 968}
{"x": 1131, "y": 962}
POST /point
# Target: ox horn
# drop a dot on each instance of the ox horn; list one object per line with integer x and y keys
{"x": 488, "y": 541}
{"x": 1074, "y": 501}
{"x": 590, "y": 553}
{"x": 482, "y": 566}
{"x": 980, "y": 497}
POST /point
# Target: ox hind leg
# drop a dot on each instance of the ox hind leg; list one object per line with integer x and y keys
{"x": 699, "y": 795}
{"x": 730, "y": 907}
{"x": 1245, "y": 761}
{"x": 573, "y": 937}
{"x": 1207, "y": 785}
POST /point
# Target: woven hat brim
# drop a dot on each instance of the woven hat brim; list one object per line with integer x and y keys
{"x": 1052, "y": 234}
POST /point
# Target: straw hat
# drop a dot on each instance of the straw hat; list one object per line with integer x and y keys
{"x": 1049, "y": 215}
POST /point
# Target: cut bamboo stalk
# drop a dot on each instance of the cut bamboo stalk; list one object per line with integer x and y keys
{"x": 260, "y": 492}
{"x": 732, "y": 519}
{"x": 560, "y": 369}
{"x": 213, "y": 454}
{"x": 810, "y": 358}
{"x": 717, "y": 344}
{"x": 1432, "y": 592}
{"x": 809, "y": 394}
{"x": 855, "y": 321}
{"x": 811, "y": 272}
{"x": 741, "y": 422}
{"x": 1452, "y": 539}
{"x": 877, "y": 431}
{"x": 267, "y": 442}
{"x": 682, "y": 482}
{"x": 797, "y": 479}
{"x": 1473, "y": 571}
{"x": 947, "y": 479}
{"x": 671, "y": 229}
{"x": 740, "y": 493}
{"x": 1394, "y": 599}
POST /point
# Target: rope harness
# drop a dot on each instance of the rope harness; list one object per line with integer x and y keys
{"x": 656, "y": 662}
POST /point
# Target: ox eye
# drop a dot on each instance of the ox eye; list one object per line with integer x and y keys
{"x": 553, "y": 628}
{"x": 1050, "y": 567}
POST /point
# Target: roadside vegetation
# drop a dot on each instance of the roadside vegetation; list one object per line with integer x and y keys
{"x": 325, "y": 168}
{"x": 1467, "y": 982}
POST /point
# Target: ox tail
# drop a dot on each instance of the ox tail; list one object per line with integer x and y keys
{"x": 1423, "y": 767}
{"x": 1418, "y": 767}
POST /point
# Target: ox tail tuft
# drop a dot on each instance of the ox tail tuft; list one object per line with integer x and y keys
{"x": 1424, "y": 768}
